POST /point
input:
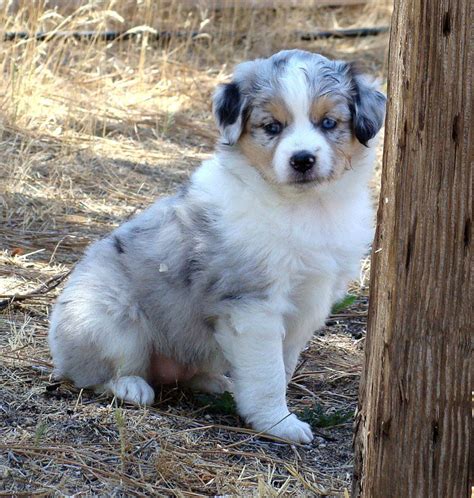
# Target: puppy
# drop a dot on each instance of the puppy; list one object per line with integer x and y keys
{"x": 235, "y": 272}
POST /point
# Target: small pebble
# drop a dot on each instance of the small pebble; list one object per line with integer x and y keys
{"x": 4, "y": 472}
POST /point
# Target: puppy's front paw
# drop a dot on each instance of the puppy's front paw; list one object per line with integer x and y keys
{"x": 133, "y": 389}
{"x": 293, "y": 429}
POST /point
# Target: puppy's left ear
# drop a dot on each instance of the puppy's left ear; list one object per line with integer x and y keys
{"x": 368, "y": 107}
{"x": 228, "y": 107}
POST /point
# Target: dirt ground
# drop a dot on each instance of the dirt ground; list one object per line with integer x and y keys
{"x": 91, "y": 132}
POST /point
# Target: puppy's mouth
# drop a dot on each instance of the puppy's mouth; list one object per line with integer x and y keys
{"x": 305, "y": 180}
{"x": 308, "y": 178}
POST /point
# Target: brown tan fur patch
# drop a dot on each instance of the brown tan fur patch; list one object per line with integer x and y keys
{"x": 328, "y": 106}
{"x": 278, "y": 109}
{"x": 258, "y": 156}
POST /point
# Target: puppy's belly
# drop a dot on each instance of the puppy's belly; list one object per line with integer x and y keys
{"x": 165, "y": 370}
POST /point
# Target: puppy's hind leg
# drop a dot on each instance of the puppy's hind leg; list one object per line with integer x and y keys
{"x": 131, "y": 355}
{"x": 103, "y": 353}
{"x": 210, "y": 383}
{"x": 130, "y": 388}
{"x": 210, "y": 376}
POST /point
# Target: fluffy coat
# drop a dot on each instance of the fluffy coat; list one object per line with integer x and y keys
{"x": 233, "y": 274}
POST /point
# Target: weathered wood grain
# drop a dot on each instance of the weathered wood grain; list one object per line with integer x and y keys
{"x": 413, "y": 426}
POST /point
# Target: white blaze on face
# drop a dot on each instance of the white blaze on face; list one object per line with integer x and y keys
{"x": 301, "y": 134}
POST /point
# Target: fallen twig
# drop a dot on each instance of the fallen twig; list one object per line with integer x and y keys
{"x": 44, "y": 288}
{"x": 166, "y": 36}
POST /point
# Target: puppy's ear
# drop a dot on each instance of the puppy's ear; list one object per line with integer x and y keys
{"x": 368, "y": 106}
{"x": 228, "y": 108}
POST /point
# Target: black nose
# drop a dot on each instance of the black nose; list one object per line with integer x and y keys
{"x": 302, "y": 161}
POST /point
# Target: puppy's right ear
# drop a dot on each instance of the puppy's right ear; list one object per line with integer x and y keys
{"x": 228, "y": 107}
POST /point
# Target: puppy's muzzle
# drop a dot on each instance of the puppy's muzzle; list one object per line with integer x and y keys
{"x": 302, "y": 161}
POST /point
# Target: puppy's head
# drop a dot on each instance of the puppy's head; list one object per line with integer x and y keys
{"x": 298, "y": 117}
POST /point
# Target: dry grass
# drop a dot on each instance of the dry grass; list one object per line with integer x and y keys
{"x": 91, "y": 132}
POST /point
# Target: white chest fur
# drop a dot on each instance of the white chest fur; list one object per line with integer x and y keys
{"x": 305, "y": 239}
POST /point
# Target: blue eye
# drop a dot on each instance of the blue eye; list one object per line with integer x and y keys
{"x": 328, "y": 123}
{"x": 273, "y": 128}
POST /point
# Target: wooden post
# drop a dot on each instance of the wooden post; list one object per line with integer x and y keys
{"x": 414, "y": 417}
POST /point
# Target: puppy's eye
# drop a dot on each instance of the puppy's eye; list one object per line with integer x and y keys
{"x": 273, "y": 128}
{"x": 328, "y": 124}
